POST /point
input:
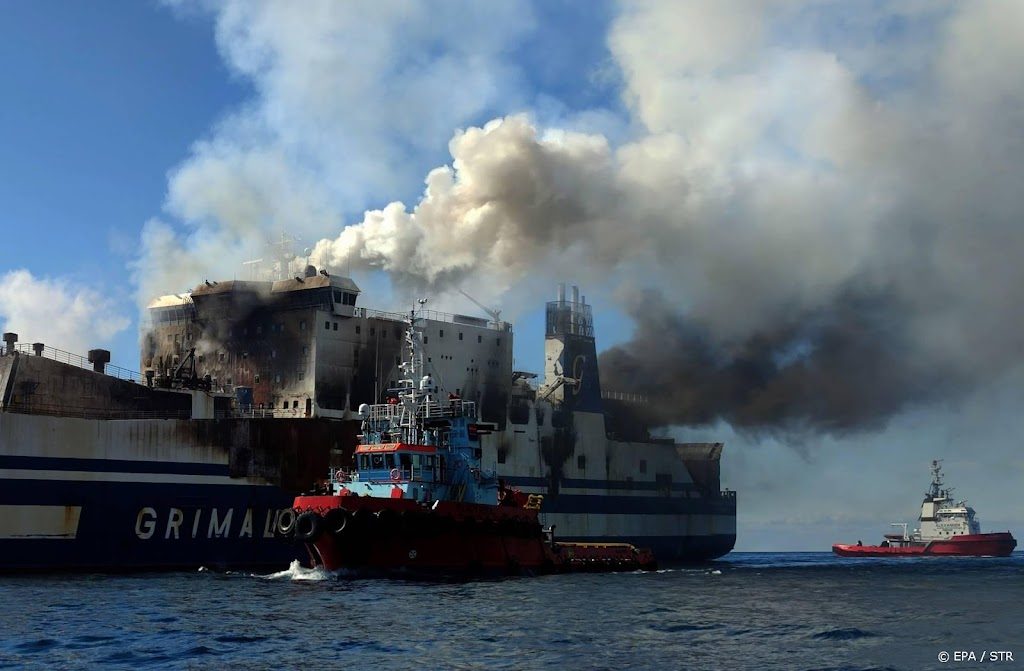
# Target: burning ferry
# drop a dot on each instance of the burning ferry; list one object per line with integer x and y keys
{"x": 251, "y": 393}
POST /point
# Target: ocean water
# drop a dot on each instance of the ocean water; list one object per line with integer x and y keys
{"x": 747, "y": 611}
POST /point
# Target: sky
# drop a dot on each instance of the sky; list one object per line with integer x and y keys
{"x": 798, "y": 222}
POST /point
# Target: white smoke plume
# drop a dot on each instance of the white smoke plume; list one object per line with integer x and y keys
{"x": 351, "y": 98}
{"x": 56, "y": 313}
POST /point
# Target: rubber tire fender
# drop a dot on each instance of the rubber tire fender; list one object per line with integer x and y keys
{"x": 336, "y": 520}
{"x": 284, "y": 526}
{"x": 308, "y": 527}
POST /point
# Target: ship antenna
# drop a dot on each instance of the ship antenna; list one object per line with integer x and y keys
{"x": 936, "y": 478}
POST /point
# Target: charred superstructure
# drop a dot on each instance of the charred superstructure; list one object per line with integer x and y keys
{"x": 303, "y": 347}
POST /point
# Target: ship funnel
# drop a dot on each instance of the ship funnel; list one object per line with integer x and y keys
{"x": 561, "y": 294}
{"x": 37, "y": 347}
{"x": 99, "y": 358}
{"x": 10, "y": 339}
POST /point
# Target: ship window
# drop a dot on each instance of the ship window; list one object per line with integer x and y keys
{"x": 302, "y": 376}
{"x": 643, "y": 465}
{"x": 327, "y": 326}
{"x": 295, "y": 405}
{"x": 378, "y": 461}
{"x": 284, "y": 404}
{"x": 337, "y": 295}
{"x": 460, "y": 335}
{"x": 302, "y": 325}
{"x": 581, "y": 461}
{"x": 424, "y": 340}
{"x": 229, "y": 381}
{"x": 440, "y": 333}
{"x": 335, "y": 326}
{"x": 357, "y": 329}
{"x": 501, "y": 456}
{"x": 479, "y": 338}
{"x": 499, "y": 342}
{"x": 273, "y": 354}
{"x": 305, "y": 350}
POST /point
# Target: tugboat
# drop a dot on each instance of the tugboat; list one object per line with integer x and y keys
{"x": 419, "y": 502}
{"x": 948, "y": 528}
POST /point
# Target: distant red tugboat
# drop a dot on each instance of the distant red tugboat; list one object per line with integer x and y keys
{"x": 419, "y": 503}
{"x": 947, "y": 528}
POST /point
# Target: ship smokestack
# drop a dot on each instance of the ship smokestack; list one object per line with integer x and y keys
{"x": 37, "y": 347}
{"x": 561, "y": 295}
{"x": 99, "y": 358}
{"x": 10, "y": 339}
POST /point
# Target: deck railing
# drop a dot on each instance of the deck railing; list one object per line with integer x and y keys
{"x": 79, "y": 361}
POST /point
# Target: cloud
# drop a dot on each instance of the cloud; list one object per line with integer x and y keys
{"x": 52, "y": 311}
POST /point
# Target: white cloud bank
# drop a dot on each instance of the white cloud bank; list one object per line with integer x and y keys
{"x": 56, "y": 313}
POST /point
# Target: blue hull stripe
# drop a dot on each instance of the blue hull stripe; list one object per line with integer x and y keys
{"x": 110, "y": 466}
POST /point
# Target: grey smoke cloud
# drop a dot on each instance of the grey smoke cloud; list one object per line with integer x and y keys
{"x": 818, "y": 200}
{"x": 828, "y": 249}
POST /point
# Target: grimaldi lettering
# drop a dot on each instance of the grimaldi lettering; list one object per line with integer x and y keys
{"x": 184, "y": 523}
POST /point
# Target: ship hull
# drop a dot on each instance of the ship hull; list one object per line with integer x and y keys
{"x": 974, "y": 545}
{"x": 107, "y": 495}
{"x": 401, "y": 538}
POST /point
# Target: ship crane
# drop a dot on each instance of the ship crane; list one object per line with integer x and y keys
{"x": 558, "y": 382}
{"x": 494, "y": 314}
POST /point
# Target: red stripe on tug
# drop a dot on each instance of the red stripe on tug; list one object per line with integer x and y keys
{"x": 419, "y": 501}
{"x": 947, "y": 528}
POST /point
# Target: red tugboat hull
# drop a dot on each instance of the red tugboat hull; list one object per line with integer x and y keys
{"x": 400, "y": 536}
{"x": 975, "y": 545}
